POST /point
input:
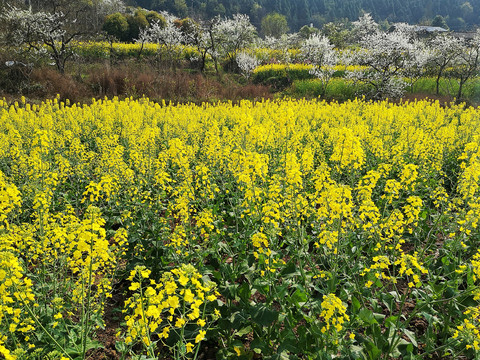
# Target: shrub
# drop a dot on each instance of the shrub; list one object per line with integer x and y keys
{"x": 116, "y": 25}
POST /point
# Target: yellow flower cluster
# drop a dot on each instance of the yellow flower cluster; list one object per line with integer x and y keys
{"x": 260, "y": 243}
{"x": 468, "y": 332}
{"x": 347, "y": 150}
{"x": 282, "y": 67}
{"x": 175, "y": 302}
{"x": 469, "y": 186}
{"x": 368, "y": 212}
{"x": 265, "y": 55}
{"x": 412, "y": 268}
{"x": 379, "y": 268}
{"x": 307, "y": 67}
{"x": 334, "y": 313}
{"x": 409, "y": 267}
{"x": 9, "y": 199}
{"x": 16, "y": 293}
{"x": 103, "y": 49}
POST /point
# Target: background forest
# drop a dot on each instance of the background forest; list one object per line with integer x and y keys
{"x": 459, "y": 14}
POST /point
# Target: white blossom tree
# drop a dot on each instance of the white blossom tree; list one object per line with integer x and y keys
{"x": 363, "y": 27}
{"x": 445, "y": 50}
{"x": 384, "y": 55}
{"x": 247, "y": 63}
{"x": 282, "y": 45}
{"x": 42, "y": 32}
{"x": 467, "y": 63}
{"x": 169, "y": 36}
{"x": 196, "y": 35}
{"x": 318, "y": 51}
{"x": 229, "y": 36}
{"x": 107, "y": 7}
{"x": 416, "y": 65}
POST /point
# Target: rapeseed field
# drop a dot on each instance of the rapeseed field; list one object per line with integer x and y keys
{"x": 277, "y": 229}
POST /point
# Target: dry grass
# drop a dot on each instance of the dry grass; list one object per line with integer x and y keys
{"x": 133, "y": 79}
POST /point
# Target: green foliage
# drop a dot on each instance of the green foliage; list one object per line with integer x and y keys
{"x": 136, "y": 23}
{"x": 338, "y": 33}
{"x": 281, "y": 77}
{"x": 338, "y": 89}
{"x": 458, "y": 13}
{"x": 439, "y": 21}
{"x": 153, "y": 16}
{"x": 116, "y": 25}
{"x": 274, "y": 25}
{"x": 127, "y": 28}
{"x": 306, "y": 31}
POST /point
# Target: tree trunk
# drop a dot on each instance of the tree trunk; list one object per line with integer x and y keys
{"x": 460, "y": 88}
{"x": 438, "y": 82}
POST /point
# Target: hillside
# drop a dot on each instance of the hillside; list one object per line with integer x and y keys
{"x": 460, "y": 14}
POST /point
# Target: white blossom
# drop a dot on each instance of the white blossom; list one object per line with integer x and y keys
{"x": 168, "y": 35}
{"x": 232, "y": 35}
{"x": 38, "y": 30}
{"x": 364, "y": 26}
{"x": 246, "y": 63}
{"x": 466, "y": 64}
{"x": 318, "y": 51}
{"x": 107, "y": 7}
{"x": 385, "y": 56}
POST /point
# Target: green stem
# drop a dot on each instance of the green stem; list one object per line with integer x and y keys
{"x": 396, "y": 338}
{"x": 428, "y": 243}
{"x": 86, "y": 309}
{"x": 30, "y": 312}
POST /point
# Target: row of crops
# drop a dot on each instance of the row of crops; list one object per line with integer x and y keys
{"x": 286, "y": 229}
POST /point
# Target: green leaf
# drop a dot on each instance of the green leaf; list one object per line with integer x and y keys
{"x": 182, "y": 349}
{"x": 429, "y": 317}
{"x": 372, "y": 351}
{"x": 367, "y": 317}
{"x": 244, "y": 331}
{"x": 403, "y": 347}
{"x": 289, "y": 342}
{"x": 290, "y": 269}
{"x": 281, "y": 290}
{"x": 299, "y": 297}
{"x": 391, "y": 321}
{"x": 238, "y": 319}
{"x": 355, "y": 304}
{"x": 263, "y": 287}
{"x": 411, "y": 336}
{"x": 281, "y": 355}
{"x": 357, "y": 352}
{"x": 259, "y": 346}
{"x": 290, "y": 346}
{"x": 244, "y": 292}
{"x": 263, "y": 316}
{"x": 468, "y": 301}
